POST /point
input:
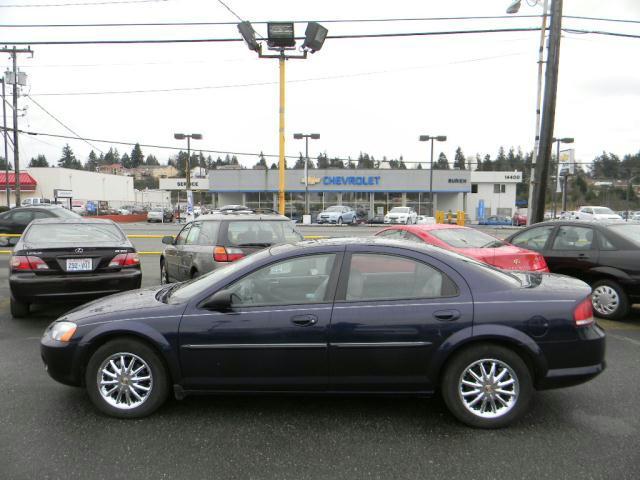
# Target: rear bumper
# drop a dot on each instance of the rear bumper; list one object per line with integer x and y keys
{"x": 32, "y": 288}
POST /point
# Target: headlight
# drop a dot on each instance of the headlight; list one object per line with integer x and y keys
{"x": 61, "y": 331}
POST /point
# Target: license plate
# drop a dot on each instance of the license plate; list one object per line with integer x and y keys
{"x": 78, "y": 264}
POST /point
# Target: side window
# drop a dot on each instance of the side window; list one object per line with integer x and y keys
{"x": 413, "y": 238}
{"x": 182, "y": 236}
{"x": 605, "y": 244}
{"x": 394, "y": 234}
{"x": 22, "y": 218}
{"x": 534, "y": 239}
{"x": 208, "y": 233}
{"x": 40, "y": 214}
{"x": 194, "y": 233}
{"x": 587, "y": 210}
{"x": 290, "y": 282}
{"x": 375, "y": 276}
{"x": 573, "y": 238}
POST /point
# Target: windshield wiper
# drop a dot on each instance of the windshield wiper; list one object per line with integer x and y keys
{"x": 256, "y": 244}
{"x": 164, "y": 295}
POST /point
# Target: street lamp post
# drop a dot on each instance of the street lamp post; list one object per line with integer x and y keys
{"x": 182, "y": 136}
{"x": 281, "y": 37}
{"x": 306, "y": 136}
{"x": 426, "y": 138}
{"x": 558, "y": 141}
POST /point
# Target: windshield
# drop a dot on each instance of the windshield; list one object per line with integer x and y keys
{"x": 262, "y": 232}
{"x": 399, "y": 210}
{"x": 603, "y": 211}
{"x": 629, "y": 231}
{"x": 156, "y": 210}
{"x": 466, "y": 238}
{"x": 334, "y": 209}
{"x": 74, "y": 233}
{"x": 183, "y": 292}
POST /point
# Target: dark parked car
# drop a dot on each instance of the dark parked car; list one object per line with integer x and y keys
{"x": 212, "y": 241}
{"x": 342, "y": 316}
{"x": 16, "y": 220}
{"x": 605, "y": 255}
{"x": 70, "y": 261}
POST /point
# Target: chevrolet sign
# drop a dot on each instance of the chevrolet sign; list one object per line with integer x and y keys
{"x": 311, "y": 180}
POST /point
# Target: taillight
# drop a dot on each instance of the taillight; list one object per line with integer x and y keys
{"x": 228, "y": 254}
{"x": 125, "y": 260}
{"x": 583, "y": 314}
{"x": 28, "y": 263}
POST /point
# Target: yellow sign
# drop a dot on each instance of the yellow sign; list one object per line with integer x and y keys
{"x": 311, "y": 180}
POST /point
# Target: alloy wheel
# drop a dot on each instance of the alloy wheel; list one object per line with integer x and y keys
{"x": 125, "y": 381}
{"x": 488, "y": 388}
{"x": 605, "y": 300}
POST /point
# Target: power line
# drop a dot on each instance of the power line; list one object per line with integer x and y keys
{"x": 231, "y": 11}
{"x": 225, "y": 40}
{"x": 76, "y": 4}
{"x": 61, "y": 123}
{"x": 254, "y": 84}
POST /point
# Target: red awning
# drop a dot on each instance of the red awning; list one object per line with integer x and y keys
{"x": 27, "y": 182}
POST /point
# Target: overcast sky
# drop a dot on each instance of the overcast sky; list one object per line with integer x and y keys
{"x": 371, "y": 95}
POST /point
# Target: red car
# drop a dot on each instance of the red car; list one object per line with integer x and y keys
{"x": 519, "y": 220}
{"x": 472, "y": 243}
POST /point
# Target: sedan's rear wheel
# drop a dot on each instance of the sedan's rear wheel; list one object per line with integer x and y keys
{"x": 609, "y": 300}
{"x": 487, "y": 386}
{"x": 125, "y": 378}
{"x": 164, "y": 275}
{"x": 19, "y": 309}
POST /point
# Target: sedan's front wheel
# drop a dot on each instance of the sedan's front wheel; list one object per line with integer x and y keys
{"x": 487, "y": 386}
{"x": 125, "y": 378}
{"x": 164, "y": 274}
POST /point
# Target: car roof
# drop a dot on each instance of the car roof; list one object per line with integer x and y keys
{"x": 241, "y": 217}
{"x": 426, "y": 227}
{"x": 47, "y": 206}
{"x": 82, "y": 220}
{"x": 363, "y": 241}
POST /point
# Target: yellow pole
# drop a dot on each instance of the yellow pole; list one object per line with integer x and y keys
{"x": 281, "y": 164}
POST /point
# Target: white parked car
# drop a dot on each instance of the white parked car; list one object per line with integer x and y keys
{"x": 406, "y": 215}
{"x": 596, "y": 213}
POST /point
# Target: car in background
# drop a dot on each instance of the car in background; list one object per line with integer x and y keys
{"x": 496, "y": 220}
{"x": 35, "y": 201}
{"x": 337, "y": 214}
{"x": 472, "y": 243}
{"x": 126, "y": 210}
{"x": 70, "y": 260}
{"x": 349, "y": 316}
{"x": 519, "y": 220}
{"x": 596, "y": 213}
{"x": 78, "y": 207}
{"x": 406, "y": 215}
{"x": 425, "y": 220}
{"x": 377, "y": 219}
{"x": 213, "y": 241}
{"x": 16, "y": 220}
{"x": 568, "y": 215}
{"x": 606, "y": 255}
{"x": 159, "y": 214}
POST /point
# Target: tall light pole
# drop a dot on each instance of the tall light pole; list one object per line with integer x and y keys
{"x": 426, "y": 138}
{"x": 281, "y": 37}
{"x": 558, "y": 141}
{"x": 182, "y": 136}
{"x": 514, "y": 8}
{"x": 6, "y": 154}
{"x": 306, "y": 136}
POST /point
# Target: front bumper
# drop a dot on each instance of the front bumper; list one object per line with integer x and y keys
{"x": 59, "y": 360}
{"x": 401, "y": 221}
{"x": 32, "y": 288}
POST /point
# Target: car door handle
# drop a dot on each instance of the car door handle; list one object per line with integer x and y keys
{"x": 583, "y": 256}
{"x": 304, "y": 320}
{"x": 447, "y": 315}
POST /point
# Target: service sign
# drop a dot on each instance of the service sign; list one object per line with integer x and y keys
{"x": 59, "y": 193}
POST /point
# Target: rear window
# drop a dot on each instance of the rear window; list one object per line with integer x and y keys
{"x": 74, "y": 233}
{"x": 64, "y": 213}
{"x": 261, "y": 233}
{"x": 630, "y": 231}
{"x": 466, "y": 238}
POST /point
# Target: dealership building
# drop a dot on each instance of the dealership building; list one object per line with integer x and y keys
{"x": 374, "y": 190}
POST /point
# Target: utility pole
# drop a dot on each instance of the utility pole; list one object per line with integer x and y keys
{"x": 548, "y": 114}
{"x": 6, "y": 154}
{"x": 16, "y": 156}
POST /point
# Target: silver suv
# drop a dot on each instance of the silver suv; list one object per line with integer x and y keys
{"x": 212, "y": 241}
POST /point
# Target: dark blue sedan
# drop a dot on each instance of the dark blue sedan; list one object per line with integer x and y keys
{"x": 341, "y": 316}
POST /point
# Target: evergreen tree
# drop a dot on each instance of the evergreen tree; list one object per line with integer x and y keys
{"x": 336, "y": 163}
{"x": 126, "y": 160}
{"x": 3, "y": 164}
{"x": 274, "y": 166}
{"x": 323, "y": 160}
{"x": 111, "y": 157}
{"x": 262, "y": 162}
{"x": 419, "y": 167}
{"x": 151, "y": 161}
{"x": 459, "y": 160}
{"x": 39, "y": 161}
{"x": 442, "y": 163}
{"x": 500, "y": 163}
{"x": 137, "y": 158}
{"x": 402, "y": 165}
{"x": 68, "y": 159}
{"x": 92, "y": 162}
{"x": 487, "y": 163}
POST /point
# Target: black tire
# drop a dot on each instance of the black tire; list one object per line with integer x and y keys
{"x": 195, "y": 274}
{"x": 453, "y": 375}
{"x": 622, "y": 305}
{"x": 128, "y": 346}
{"x": 340, "y": 221}
{"x": 164, "y": 273}
{"x": 19, "y": 309}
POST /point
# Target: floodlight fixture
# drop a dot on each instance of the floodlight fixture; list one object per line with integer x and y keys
{"x": 514, "y": 7}
{"x": 179, "y": 136}
{"x": 249, "y": 35}
{"x": 280, "y": 35}
{"x": 314, "y": 37}
{"x": 297, "y": 136}
{"x": 315, "y": 136}
{"x": 441, "y": 138}
{"x": 196, "y": 136}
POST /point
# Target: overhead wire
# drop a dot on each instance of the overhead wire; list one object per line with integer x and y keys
{"x": 76, "y": 4}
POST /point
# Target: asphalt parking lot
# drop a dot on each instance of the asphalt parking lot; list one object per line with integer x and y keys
{"x": 48, "y": 430}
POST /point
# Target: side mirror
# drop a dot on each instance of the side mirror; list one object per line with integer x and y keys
{"x": 167, "y": 240}
{"x": 219, "y": 301}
